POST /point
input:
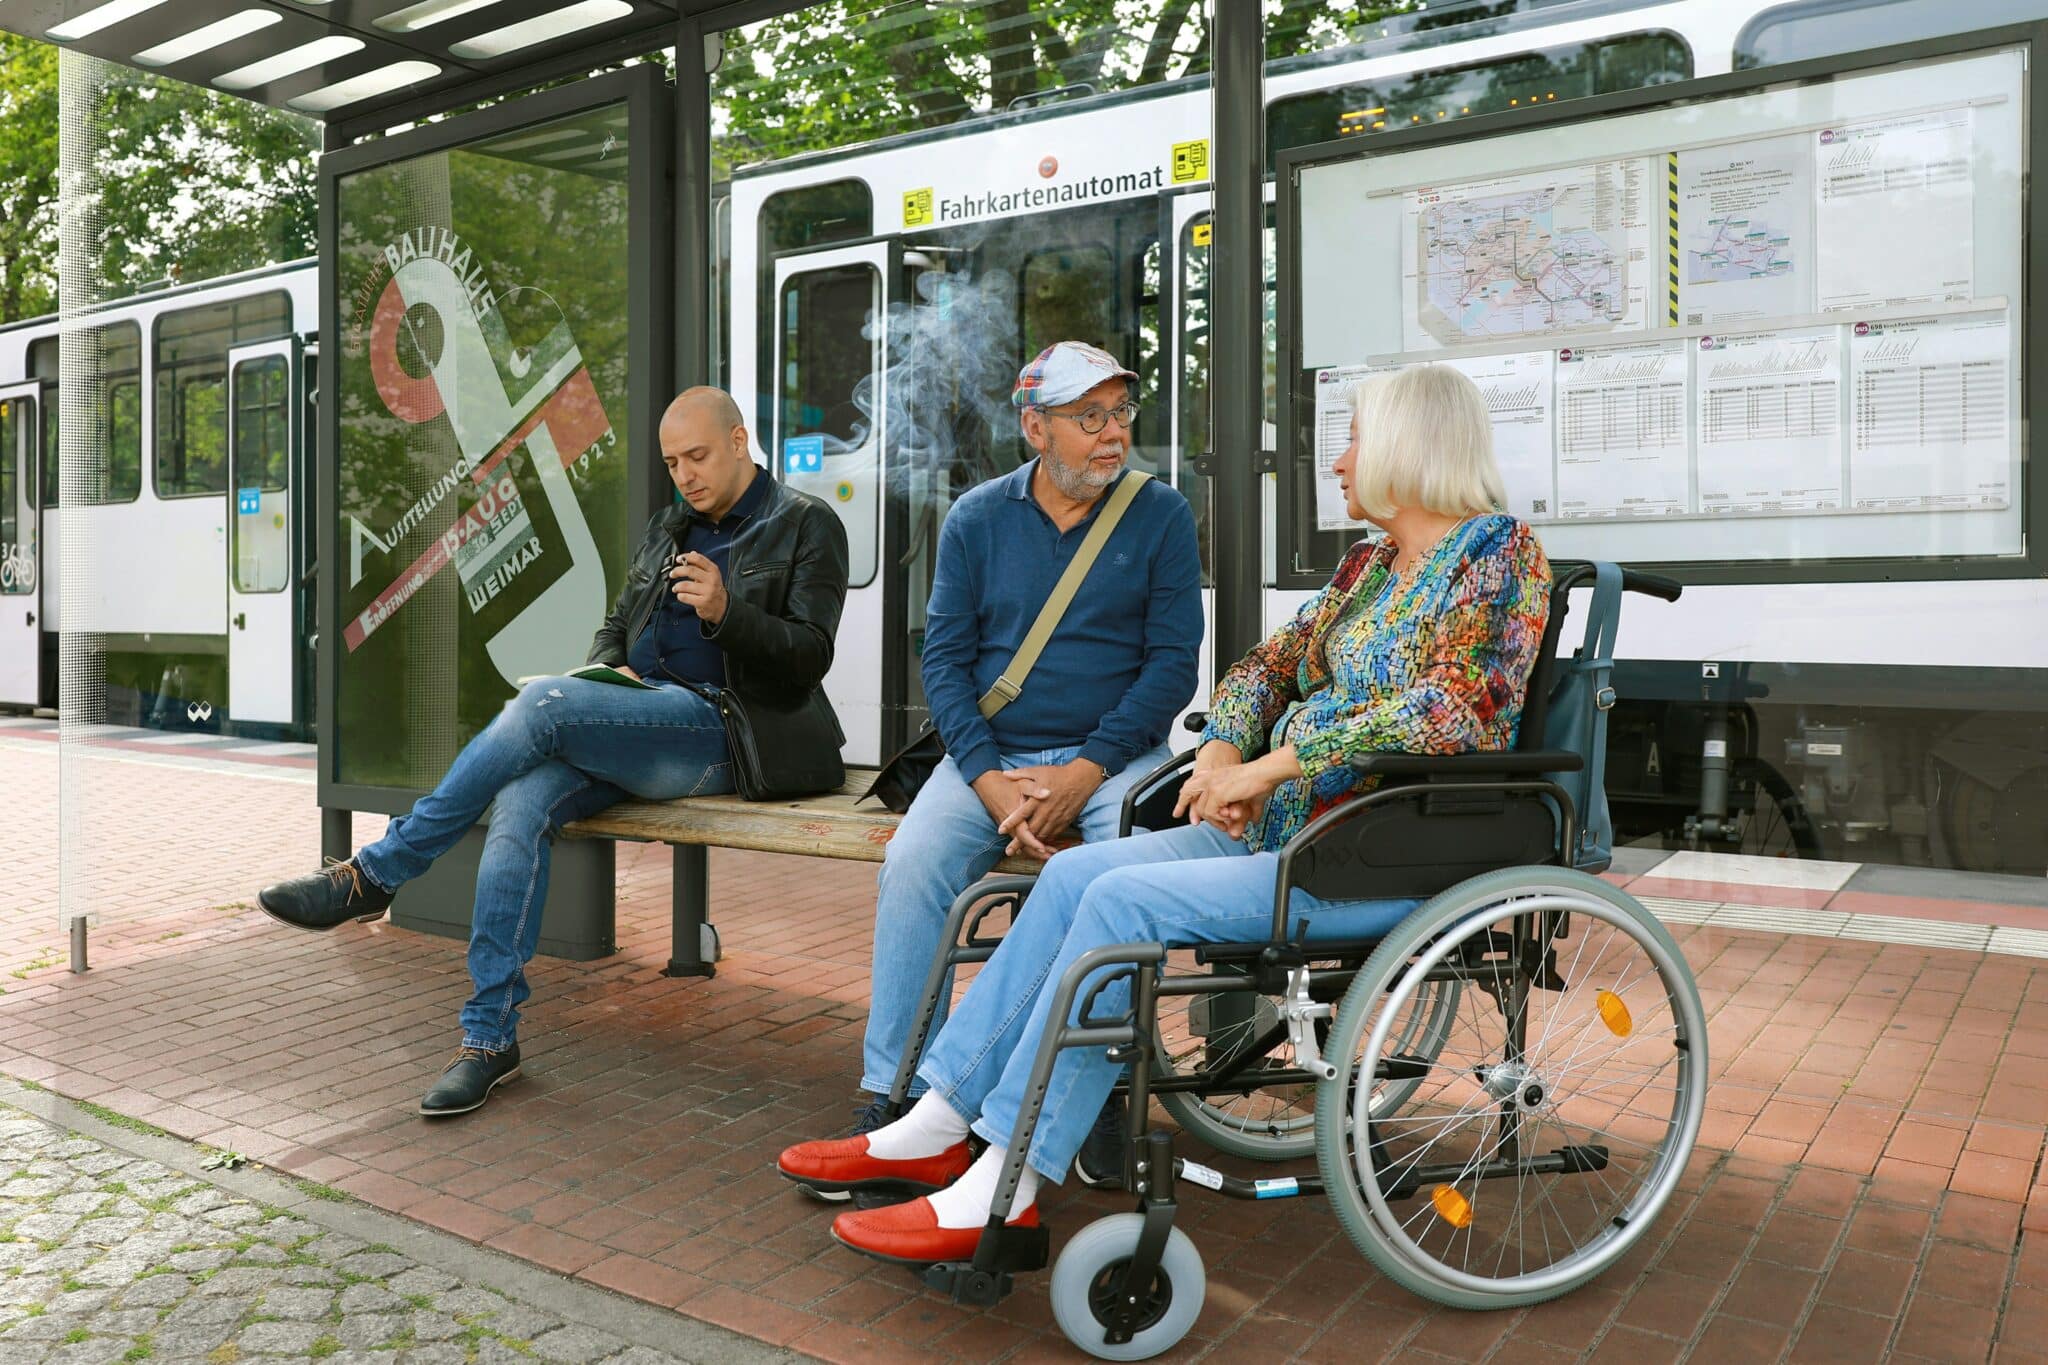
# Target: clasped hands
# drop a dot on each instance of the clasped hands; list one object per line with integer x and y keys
{"x": 1227, "y": 792}
{"x": 1036, "y": 805}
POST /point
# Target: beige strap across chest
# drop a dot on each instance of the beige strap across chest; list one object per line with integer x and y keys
{"x": 1004, "y": 689}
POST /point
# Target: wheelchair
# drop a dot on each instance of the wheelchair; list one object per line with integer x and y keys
{"x": 1501, "y": 1094}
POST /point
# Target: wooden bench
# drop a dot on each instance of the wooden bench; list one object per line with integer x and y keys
{"x": 829, "y": 826}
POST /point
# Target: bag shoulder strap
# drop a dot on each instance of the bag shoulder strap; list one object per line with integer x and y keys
{"x": 1596, "y": 665}
{"x": 1005, "y": 689}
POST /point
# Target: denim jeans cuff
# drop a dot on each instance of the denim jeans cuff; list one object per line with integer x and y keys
{"x": 943, "y": 1088}
{"x": 366, "y": 863}
{"x": 880, "y": 1088}
{"x": 488, "y": 1044}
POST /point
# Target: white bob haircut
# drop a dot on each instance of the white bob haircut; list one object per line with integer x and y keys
{"x": 1424, "y": 440}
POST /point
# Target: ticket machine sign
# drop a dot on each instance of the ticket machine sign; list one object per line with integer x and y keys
{"x": 803, "y": 455}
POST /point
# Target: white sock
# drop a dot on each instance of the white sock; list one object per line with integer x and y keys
{"x": 929, "y": 1128}
{"x": 965, "y": 1203}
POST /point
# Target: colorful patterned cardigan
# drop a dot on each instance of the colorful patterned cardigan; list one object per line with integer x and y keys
{"x": 1431, "y": 661}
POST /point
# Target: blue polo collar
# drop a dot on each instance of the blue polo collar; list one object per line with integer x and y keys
{"x": 749, "y": 504}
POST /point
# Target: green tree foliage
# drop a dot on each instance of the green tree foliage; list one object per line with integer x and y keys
{"x": 852, "y": 70}
{"x": 196, "y": 184}
{"x": 28, "y": 178}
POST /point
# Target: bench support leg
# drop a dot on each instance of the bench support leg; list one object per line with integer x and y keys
{"x": 337, "y": 833}
{"x": 694, "y": 949}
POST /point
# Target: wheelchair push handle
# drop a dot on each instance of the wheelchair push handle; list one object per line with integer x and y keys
{"x": 1651, "y": 584}
{"x": 1567, "y": 574}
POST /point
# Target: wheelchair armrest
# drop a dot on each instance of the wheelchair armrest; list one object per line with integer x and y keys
{"x": 1145, "y": 787}
{"x": 1195, "y": 722}
{"x": 1502, "y": 763}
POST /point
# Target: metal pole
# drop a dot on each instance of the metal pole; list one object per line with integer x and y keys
{"x": 697, "y": 55}
{"x": 78, "y": 963}
{"x": 1237, "y": 290}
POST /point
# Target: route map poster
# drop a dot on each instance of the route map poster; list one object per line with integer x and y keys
{"x": 482, "y": 460}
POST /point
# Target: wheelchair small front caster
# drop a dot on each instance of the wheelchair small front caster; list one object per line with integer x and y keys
{"x": 1088, "y": 1286}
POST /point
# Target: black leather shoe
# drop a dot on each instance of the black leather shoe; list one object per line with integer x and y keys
{"x": 325, "y": 899}
{"x": 1100, "y": 1162}
{"x": 469, "y": 1080}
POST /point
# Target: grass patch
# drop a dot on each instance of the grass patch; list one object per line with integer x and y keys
{"x": 30, "y": 1085}
{"x": 76, "y": 1335}
{"x": 45, "y": 957}
{"x": 323, "y": 1347}
{"x": 227, "y": 1353}
{"x": 114, "y": 1120}
{"x": 72, "y": 1284}
{"x": 316, "y": 1190}
{"x": 141, "y": 1350}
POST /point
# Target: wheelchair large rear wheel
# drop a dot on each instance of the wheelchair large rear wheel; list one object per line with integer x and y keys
{"x": 1553, "y": 1122}
{"x": 1273, "y": 1120}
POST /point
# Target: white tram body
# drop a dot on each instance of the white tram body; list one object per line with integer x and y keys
{"x": 873, "y": 300}
{"x": 203, "y": 410}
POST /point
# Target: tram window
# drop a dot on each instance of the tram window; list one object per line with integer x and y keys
{"x": 120, "y": 369}
{"x": 191, "y": 387}
{"x": 10, "y": 494}
{"x": 828, "y": 374}
{"x": 1822, "y": 28}
{"x": 1523, "y": 81}
{"x": 1069, "y": 293}
{"x": 817, "y": 215}
{"x": 260, "y": 391}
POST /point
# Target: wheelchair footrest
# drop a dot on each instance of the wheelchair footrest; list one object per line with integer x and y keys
{"x": 990, "y": 1276}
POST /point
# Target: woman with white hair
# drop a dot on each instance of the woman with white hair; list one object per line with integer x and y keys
{"x": 1422, "y": 643}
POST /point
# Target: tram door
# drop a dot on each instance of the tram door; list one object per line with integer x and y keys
{"x": 830, "y": 439}
{"x": 21, "y": 601}
{"x": 264, "y": 417}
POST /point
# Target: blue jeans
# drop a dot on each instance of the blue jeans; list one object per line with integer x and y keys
{"x": 1178, "y": 887}
{"x": 946, "y": 843}
{"x": 562, "y": 749}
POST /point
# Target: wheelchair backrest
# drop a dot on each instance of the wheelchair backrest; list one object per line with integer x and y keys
{"x": 1568, "y": 700}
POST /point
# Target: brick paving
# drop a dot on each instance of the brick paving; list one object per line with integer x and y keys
{"x": 1868, "y": 1181}
{"x": 110, "y": 1256}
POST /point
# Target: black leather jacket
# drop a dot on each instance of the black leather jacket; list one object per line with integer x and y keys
{"x": 785, "y": 581}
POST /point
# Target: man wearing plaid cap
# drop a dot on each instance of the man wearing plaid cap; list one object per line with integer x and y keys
{"x": 1094, "y": 712}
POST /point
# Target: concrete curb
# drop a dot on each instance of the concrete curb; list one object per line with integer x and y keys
{"x": 564, "y": 1297}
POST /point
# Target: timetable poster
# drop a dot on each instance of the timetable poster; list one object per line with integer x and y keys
{"x": 1768, "y": 422}
{"x": 1333, "y": 434}
{"x": 1895, "y": 212}
{"x": 1929, "y": 414}
{"x": 1621, "y": 422}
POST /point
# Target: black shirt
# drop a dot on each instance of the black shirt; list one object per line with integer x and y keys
{"x": 673, "y": 644}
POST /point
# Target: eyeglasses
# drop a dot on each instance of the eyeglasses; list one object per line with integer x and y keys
{"x": 1093, "y": 420}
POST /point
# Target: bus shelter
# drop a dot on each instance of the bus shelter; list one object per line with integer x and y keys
{"x": 538, "y": 220}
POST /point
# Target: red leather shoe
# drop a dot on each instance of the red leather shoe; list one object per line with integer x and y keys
{"x": 909, "y": 1234}
{"x": 838, "y": 1164}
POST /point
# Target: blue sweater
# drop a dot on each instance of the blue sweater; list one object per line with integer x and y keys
{"x": 1122, "y": 663}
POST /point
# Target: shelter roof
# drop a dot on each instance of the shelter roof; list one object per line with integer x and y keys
{"x": 350, "y": 59}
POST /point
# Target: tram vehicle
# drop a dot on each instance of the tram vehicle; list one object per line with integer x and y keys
{"x": 874, "y": 303}
{"x": 203, "y": 538}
